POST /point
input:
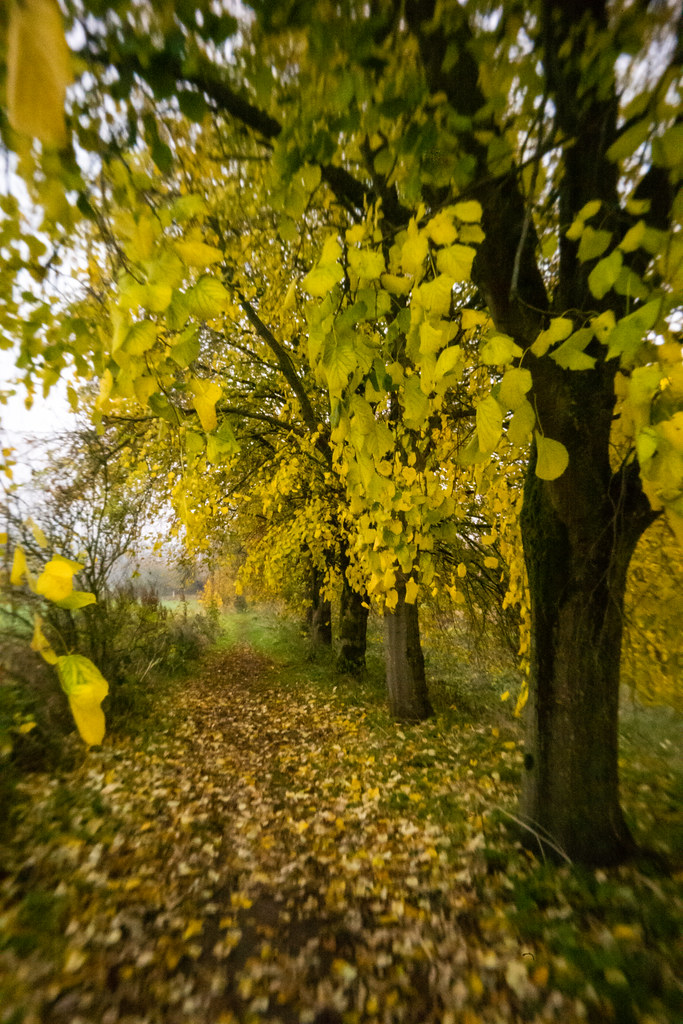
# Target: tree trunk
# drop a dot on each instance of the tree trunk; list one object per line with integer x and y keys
{"x": 321, "y": 611}
{"x": 405, "y": 668}
{"x": 353, "y": 629}
{"x": 577, "y": 570}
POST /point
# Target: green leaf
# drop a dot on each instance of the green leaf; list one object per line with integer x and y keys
{"x": 221, "y": 445}
{"x": 605, "y": 273}
{"x": 140, "y": 338}
{"x": 633, "y": 238}
{"x": 192, "y": 105}
{"x": 603, "y": 325}
{"x": 186, "y": 349}
{"x": 489, "y": 418}
{"x": 162, "y": 156}
{"x": 593, "y": 243}
{"x": 311, "y": 176}
{"x": 629, "y": 141}
{"x": 552, "y": 457}
{"x": 667, "y": 149}
{"x": 338, "y": 362}
{"x": 627, "y": 336}
{"x": 208, "y": 298}
{"x": 571, "y": 355}
{"x": 647, "y": 441}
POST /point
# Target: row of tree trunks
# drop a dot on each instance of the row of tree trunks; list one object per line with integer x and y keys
{"x": 405, "y": 667}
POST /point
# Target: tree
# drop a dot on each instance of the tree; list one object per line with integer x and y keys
{"x": 509, "y": 187}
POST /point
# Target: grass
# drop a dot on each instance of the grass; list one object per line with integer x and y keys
{"x": 466, "y": 687}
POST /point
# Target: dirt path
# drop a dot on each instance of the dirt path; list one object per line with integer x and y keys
{"x": 238, "y": 869}
{"x": 266, "y": 857}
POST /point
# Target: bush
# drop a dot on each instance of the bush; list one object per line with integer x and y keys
{"x": 136, "y": 642}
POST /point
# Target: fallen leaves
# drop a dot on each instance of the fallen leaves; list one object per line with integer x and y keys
{"x": 278, "y": 853}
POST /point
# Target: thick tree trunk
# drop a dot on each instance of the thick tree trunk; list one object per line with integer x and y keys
{"x": 577, "y": 569}
{"x": 321, "y": 611}
{"x": 353, "y": 630}
{"x": 405, "y": 668}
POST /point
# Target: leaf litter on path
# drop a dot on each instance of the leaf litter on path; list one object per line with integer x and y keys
{"x": 272, "y": 855}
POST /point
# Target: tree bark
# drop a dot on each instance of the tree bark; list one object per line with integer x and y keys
{"x": 405, "y": 668}
{"x": 579, "y": 531}
{"x": 577, "y": 575}
{"x": 353, "y": 630}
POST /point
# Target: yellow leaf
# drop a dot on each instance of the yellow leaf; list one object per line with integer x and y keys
{"x": 198, "y": 254}
{"x": 208, "y": 298}
{"x": 514, "y": 386}
{"x": 396, "y": 285}
{"x": 462, "y": 570}
{"x": 414, "y": 252}
{"x": 40, "y": 643}
{"x": 522, "y": 423}
{"x": 540, "y": 976}
{"x": 412, "y": 589}
{"x": 38, "y": 535}
{"x": 76, "y": 599}
{"x": 56, "y": 580}
{"x": 552, "y": 458}
{"x": 240, "y": 901}
{"x": 86, "y": 688}
{"x": 627, "y": 932}
{"x": 456, "y": 261}
{"x": 471, "y": 318}
{"x": 470, "y": 212}
{"x": 441, "y": 229}
{"x": 206, "y": 394}
{"x": 73, "y": 960}
{"x": 19, "y": 568}
{"x": 194, "y": 927}
{"x": 38, "y": 70}
{"x": 489, "y": 416}
{"x": 559, "y": 329}
{"x": 26, "y": 727}
{"x": 290, "y": 298}
{"x": 505, "y": 696}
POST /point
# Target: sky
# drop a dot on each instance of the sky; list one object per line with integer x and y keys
{"x": 18, "y": 424}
